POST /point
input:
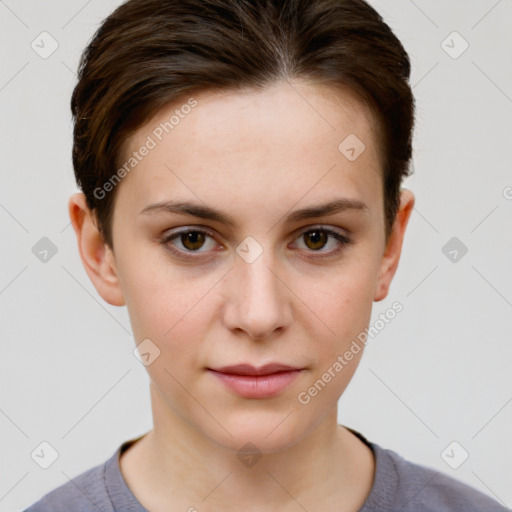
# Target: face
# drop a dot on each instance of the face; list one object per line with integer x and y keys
{"x": 256, "y": 283}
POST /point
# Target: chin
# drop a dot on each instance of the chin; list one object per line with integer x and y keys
{"x": 270, "y": 431}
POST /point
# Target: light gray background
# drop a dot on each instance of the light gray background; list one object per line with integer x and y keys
{"x": 440, "y": 372}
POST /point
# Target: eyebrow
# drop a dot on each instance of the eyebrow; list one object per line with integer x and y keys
{"x": 205, "y": 212}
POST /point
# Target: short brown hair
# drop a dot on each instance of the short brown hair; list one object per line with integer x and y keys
{"x": 149, "y": 53}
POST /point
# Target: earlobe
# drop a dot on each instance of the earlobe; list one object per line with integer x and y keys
{"x": 391, "y": 257}
{"x": 97, "y": 258}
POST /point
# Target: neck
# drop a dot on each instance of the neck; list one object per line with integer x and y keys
{"x": 175, "y": 463}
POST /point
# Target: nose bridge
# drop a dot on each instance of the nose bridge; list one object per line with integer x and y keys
{"x": 259, "y": 302}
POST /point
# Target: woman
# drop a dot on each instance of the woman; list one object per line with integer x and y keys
{"x": 240, "y": 165}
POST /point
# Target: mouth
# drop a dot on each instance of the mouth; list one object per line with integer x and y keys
{"x": 248, "y": 381}
{"x": 247, "y": 369}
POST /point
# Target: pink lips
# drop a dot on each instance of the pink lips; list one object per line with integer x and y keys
{"x": 250, "y": 382}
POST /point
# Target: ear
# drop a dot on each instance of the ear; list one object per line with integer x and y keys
{"x": 391, "y": 256}
{"x": 97, "y": 257}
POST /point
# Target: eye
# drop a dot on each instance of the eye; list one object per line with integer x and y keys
{"x": 317, "y": 238}
{"x": 191, "y": 240}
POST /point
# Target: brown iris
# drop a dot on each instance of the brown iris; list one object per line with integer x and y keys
{"x": 318, "y": 238}
{"x": 193, "y": 240}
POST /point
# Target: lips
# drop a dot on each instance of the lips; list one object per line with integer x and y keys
{"x": 247, "y": 369}
{"x": 247, "y": 381}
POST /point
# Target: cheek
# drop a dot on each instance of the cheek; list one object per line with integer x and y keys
{"x": 342, "y": 300}
{"x": 175, "y": 318}
{"x": 159, "y": 296}
{"x": 167, "y": 314}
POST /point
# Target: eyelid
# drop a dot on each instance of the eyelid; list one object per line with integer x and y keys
{"x": 322, "y": 227}
{"x": 191, "y": 229}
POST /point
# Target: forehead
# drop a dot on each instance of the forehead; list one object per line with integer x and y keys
{"x": 290, "y": 142}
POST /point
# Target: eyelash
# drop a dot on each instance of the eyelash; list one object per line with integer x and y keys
{"x": 342, "y": 240}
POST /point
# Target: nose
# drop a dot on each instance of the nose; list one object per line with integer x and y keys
{"x": 258, "y": 301}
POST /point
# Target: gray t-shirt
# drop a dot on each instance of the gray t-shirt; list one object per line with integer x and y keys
{"x": 399, "y": 485}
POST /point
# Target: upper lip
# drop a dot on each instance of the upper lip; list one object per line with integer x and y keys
{"x": 247, "y": 369}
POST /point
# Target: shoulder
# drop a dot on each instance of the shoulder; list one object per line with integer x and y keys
{"x": 85, "y": 492}
{"x": 410, "y": 486}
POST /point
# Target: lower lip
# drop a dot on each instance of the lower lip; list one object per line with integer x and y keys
{"x": 257, "y": 386}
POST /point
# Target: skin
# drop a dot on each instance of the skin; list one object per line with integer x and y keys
{"x": 257, "y": 156}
